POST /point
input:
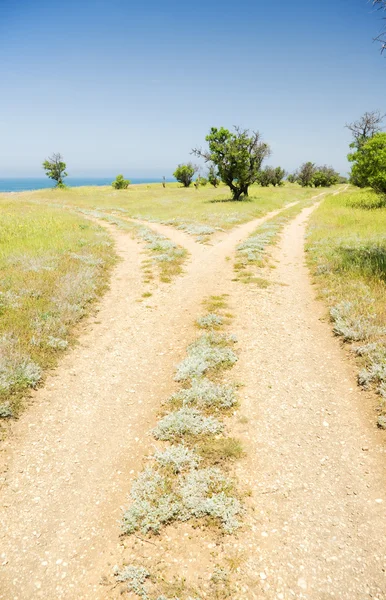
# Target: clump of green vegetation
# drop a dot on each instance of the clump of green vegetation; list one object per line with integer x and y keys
{"x": 136, "y": 579}
{"x": 346, "y": 251}
{"x": 217, "y": 450}
{"x": 177, "y": 458}
{"x": 54, "y": 265}
{"x": 186, "y": 421}
{"x": 208, "y": 352}
{"x": 210, "y": 321}
{"x": 159, "y": 499}
{"x": 120, "y": 183}
{"x": 203, "y": 393}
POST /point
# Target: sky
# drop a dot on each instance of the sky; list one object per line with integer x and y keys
{"x": 132, "y": 86}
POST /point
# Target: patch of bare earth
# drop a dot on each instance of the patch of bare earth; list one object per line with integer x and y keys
{"x": 314, "y": 465}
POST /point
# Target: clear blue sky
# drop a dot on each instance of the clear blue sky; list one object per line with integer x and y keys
{"x": 124, "y": 86}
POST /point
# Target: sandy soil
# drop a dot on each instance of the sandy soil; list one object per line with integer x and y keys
{"x": 315, "y": 464}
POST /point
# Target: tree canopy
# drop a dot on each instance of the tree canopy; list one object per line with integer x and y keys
{"x": 366, "y": 127}
{"x": 237, "y": 155}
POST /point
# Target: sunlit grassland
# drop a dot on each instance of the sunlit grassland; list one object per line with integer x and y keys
{"x": 176, "y": 205}
{"x": 347, "y": 254}
{"x": 53, "y": 265}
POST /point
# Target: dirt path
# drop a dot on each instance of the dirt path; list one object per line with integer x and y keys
{"x": 318, "y": 527}
{"x": 315, "y": 459}
{"x": 66, "y": 468}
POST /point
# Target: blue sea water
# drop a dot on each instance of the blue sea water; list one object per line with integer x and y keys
{"x": 39, "y": 183}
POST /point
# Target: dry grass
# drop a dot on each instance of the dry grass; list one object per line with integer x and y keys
{"x": 196, "y": 211}
{"x": 53, "y": 266}
{"x": 346, "y": 251}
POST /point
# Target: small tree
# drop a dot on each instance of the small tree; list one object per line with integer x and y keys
{"x": 305, "y": 174}
{"x": 238, "y": 157}
{"x": 185, "y": 173}
{"x": 292, "y": 178}
{"x": 213, "y": 176}
{"x": 365, "y": 128}
{"x": 55, "y": 169}
{"x": 203, "y": 181}
{"x": 120, "y": 183}
{"x": 370, "y": 164}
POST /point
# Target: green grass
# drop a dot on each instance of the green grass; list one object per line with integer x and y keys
{"x": 174, "y": 204}
{"x": 346, "y": 251}
{"x": 53, "y": 265}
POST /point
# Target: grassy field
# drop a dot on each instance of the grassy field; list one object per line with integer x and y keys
{"x": 183, "y": 207}
{"x": 54, "y": 262}
{"x": 347, "y": 254}
{"x": 53, "y": 265}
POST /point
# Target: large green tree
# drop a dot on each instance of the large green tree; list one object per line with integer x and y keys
{"x": 237, "y": 155}
{"x": 369, "y": 168}
{"x": 55, "y": 168}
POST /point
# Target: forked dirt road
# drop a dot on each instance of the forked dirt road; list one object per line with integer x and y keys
{"x": 314, "y": 464}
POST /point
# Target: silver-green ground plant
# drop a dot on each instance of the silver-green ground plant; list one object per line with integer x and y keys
{"x": 186, "y": 480}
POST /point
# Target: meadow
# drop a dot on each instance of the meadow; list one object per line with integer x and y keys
{"x": 55, "y": 261}
{"x": 346, "y": 250}
{"x": 187, "y": 208}
{"x": 53, "y": 265}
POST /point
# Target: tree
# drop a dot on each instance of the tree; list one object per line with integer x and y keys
{"x": 325, "y": 177}
{"x": 120, "y": 183}
{"x": 238, "y": 157}
{"x": 305, "y": 174}
{"x": 292, "y": 178}
{"x": 366, "y": 127}
{"x": 213, "y": 176}
{"x": 55, "y": 169}
{"x": 381, "y": 5}
{"x": 271, "y": 176}
{"x": 185, "y": 173}
{"x": 370, "y": 164}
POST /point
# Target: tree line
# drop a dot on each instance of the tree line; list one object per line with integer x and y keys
{"x": 235, "y": 158}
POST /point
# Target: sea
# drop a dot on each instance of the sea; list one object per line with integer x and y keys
{"x": 24, "y": 184}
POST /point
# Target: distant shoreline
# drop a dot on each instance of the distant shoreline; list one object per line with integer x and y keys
{"x": 33, "y": 184}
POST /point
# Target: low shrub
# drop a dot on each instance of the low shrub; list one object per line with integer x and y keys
{"x": 186, "y": 421}
{"x": 207, "y": 352}
{"x": 203, "y": 393}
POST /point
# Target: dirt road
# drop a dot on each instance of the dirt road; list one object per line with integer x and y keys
{"x": 315, "y": 462}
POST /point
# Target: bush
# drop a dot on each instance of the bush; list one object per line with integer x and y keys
{"x": 186, "y": 421}
{"x": 370, "y": 164}
{"x": 185, "y": 173}
{"x": 203, "y": 393}
{"x": 325, "y": 177}
{"x": 120, "y": 183}
{"x": 207, "y": 352}
{"x": 271, "y": 176}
